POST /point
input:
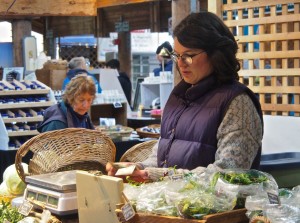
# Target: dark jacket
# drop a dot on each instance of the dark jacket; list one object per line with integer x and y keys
{"x": 191, "y": 120}
{"x": 167, "y": 67}
{"x": 126, "y": 85}
{"x": 60, "y": 116}
{"x": 72, "y": 73}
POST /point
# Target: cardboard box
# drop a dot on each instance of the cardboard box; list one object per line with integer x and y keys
{"x": 52, "y": 78}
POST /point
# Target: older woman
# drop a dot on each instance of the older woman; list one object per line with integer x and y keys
{"x": 72, "y": 111}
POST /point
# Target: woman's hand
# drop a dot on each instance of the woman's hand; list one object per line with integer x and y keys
{"x": 137, "y": 175}
{"x": 112, "y": 168}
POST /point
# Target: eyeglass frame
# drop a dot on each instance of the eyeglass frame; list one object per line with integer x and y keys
{"x": 184, "y": 57}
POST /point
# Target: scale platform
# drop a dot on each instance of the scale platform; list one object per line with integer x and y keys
{"x": 57, "y": 191}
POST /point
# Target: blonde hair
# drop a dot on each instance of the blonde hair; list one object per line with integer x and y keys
{"x": 78, "y": 85}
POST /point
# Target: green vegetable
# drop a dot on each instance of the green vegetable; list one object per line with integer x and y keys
{"x": 15, "y": 185}
{"x": 246, "y": 178}
{"x": 196, "y": 209}
{"x": 9, "y": 214}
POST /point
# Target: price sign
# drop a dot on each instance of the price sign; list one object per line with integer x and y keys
{"x": 128, "y": 211}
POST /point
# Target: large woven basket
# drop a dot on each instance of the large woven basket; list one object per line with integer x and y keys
{"x": 66, "y": 149}
{"x": 138, "y": 152}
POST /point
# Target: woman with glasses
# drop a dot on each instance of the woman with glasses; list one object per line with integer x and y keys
{"x": 72, "y": 112}
{"x": 210, "y": 121}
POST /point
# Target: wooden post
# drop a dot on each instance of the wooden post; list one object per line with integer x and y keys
{"x": 215, "y": 6}
{"x": 124, "y": 49}
{"x": 20, "y": 29}
{"x": 180, "y": 9}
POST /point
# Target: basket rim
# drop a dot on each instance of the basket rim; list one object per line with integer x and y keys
{"x": 148, "y": 134}
{"x": 59, "y": 134}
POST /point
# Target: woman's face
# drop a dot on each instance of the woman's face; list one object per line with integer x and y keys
{"x": 83, "y": 103}
{"x": 200, "y": 67}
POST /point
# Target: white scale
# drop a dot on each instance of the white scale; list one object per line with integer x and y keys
{"x": 57, "y": 191}
{"x": 90, "y": 195}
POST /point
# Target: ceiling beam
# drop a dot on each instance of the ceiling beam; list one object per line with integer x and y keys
{"x": 108, "y": 3}
{"x": 30, "y": 8}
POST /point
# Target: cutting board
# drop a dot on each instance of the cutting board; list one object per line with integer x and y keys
{"x": 97, "y": 197}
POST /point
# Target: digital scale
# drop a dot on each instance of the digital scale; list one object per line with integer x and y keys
{"x": 92, "y": 195}
{"x": 57, "y": 191}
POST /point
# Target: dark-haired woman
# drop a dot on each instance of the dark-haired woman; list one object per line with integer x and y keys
{"x": 210, "y": 121}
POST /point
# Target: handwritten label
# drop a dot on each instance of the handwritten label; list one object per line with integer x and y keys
{"x": 25, "y": 208}
{"x": 273, "y": 198}
{"x": 128, "y": 211}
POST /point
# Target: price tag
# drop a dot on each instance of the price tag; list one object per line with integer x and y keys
{"x": 128, "y": 211}
{"x": 273, "y": 198}
{"x": 176, "y": 177}
{"x": 25, "y": 208}
{"x": 117, "y": 104}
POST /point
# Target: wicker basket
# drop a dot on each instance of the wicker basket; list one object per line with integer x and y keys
{"x": 260, "y": 219}
{"x": 116, "y": 132}
{"x": 66, "y": 149}
{"x": 138, "y": 152}
{"x": 144, "y": 134}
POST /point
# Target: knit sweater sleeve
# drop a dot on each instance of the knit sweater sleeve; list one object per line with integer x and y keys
{"x": 239, "y": 138}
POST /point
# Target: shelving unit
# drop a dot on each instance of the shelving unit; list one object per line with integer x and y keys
{"x": 21, "y": 106}
{"x": 150, "y": 91}
{"x": 142, "y": 65}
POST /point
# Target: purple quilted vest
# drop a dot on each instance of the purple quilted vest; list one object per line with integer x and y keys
{"x": 190, "y": 123}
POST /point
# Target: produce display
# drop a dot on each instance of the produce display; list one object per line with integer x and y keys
{"x": 12, "y": 186}
{"x": 9, "y": 214}
{"x": 194, "y": 196}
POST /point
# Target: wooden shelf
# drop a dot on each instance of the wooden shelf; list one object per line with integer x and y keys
{"x": 38, "y": 118}
{"x": 15, "y": 109}
{"x": 27, "y": 105}
{"x": 23, "y": 133}
{"x": 24, "y": 92}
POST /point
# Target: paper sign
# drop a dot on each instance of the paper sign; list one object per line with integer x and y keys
{"x": 25, "y": 208}
{"x": 125, "y": 171}
{"x": 128, "y": 211}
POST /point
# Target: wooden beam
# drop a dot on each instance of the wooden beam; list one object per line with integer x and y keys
{"x": 48, "y": 8}
{"x": 108, "y": 3}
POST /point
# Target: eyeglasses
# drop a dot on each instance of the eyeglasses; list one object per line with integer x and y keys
{"x": 186, "y": 58}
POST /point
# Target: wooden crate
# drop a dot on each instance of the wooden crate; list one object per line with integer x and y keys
{"x": 234, "y": 216}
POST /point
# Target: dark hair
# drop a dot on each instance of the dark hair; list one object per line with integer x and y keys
{"x": 166, "y": 45}
{"x": 114, "y": 64}
{"x": 205, "y": 30}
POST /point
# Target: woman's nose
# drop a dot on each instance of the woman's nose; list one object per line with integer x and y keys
{"x": 181, "y": 62}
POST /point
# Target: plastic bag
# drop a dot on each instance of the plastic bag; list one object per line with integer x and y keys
{"x": 244, "y": 183}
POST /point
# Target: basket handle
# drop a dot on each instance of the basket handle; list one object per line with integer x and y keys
{"x": 21, "y": 152}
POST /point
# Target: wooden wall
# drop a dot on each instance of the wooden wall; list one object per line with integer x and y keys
{"x": 268, "y": 36}
{"x": 148, "y": 15}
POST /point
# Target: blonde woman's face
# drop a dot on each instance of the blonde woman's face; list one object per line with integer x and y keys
{"x": 83, "y": 103}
